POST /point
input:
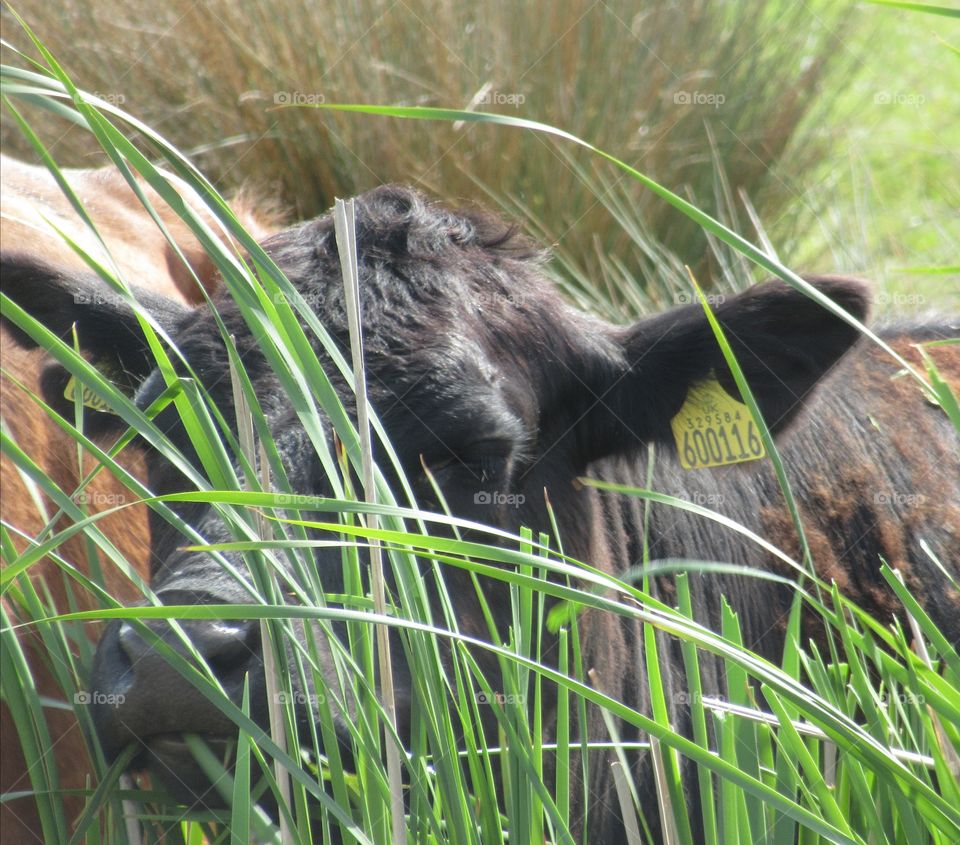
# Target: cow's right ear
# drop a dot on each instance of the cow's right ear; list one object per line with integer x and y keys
{"x": 784, "y": 341}
{"x": 106, "y": 325}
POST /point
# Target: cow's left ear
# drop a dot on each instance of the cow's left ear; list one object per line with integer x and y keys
{"x": 784, "y": 341}
{"x": 106, "y": 324}
{"x": 107, "y": 328}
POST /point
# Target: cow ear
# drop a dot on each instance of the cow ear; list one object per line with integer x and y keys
{"x": 784, "y": 342}
{"x": 106, "y": 325}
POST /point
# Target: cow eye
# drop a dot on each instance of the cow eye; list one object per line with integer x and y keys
{"x": 485, "y": 460}
{"x": 489, "y": 467}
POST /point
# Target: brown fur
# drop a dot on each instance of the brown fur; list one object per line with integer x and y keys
{"x": 30, "y": 198}
{"x": 857, "y": 498}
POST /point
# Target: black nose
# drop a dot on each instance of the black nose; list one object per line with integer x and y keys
{"x": 227, "y": 646}
{"x": 138, "y": 694}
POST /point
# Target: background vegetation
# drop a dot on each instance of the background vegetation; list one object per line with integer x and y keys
{"x": 835, "y": 122}
{"x": 823, "y": 128}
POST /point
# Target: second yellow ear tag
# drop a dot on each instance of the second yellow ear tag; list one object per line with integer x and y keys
{"x": 88, "y": 397}
{"x": 713, "y": 429}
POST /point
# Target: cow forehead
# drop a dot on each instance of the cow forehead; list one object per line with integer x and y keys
{"x": 454, "y": 299}
{"x": 457, "y": 315}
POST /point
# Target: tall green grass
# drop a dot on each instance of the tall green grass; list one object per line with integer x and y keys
{"x": 857, "y": 749}
{"x": 654, "y": 81}
{"x": 832, "y": 121}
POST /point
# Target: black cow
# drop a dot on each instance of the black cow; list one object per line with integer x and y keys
{"x": 480, "y": 369}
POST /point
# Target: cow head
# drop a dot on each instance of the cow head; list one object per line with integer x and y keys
{"x": 478, "y": 370}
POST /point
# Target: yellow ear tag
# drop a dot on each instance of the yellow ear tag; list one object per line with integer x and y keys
{"x": 88, "y": 397}
{"x": 713, "y": 429}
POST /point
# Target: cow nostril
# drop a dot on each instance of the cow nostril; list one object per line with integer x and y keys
{"x": 226, "y": 645}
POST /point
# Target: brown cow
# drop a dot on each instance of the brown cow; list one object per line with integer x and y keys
{"x": 480, "y": 371}
{"x": 33, "y": 208}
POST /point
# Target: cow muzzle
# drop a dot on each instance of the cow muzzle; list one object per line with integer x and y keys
{"x": 140, "y": 695}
